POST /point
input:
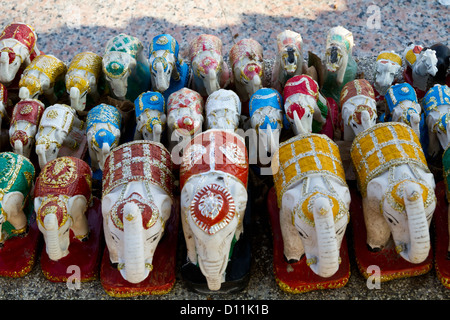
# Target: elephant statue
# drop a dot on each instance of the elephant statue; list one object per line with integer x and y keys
{"x": 16, "y": 183}
{"x": 184, "y": 115}
{"x": 302, "y": 105}
{"x": 420, "y": 67}
{"x": 436, "y": 104}
{"x": 25, "y": 120}
{"x": 223, "y": 110}
{"x": 82, "y": 79}
{"x": 62, "y": 194}
{"x": 210, "y": 72}
{"x": 213, "y": 184}
{"x": 136, "y": 203}
{"x": 56, "y": 124}
{"x": 397, "y": 189}
{"x": 314, "y": 201}
{"x": 340, "y": 64}
{"x": 388, "y": 68}
{"x": 125, "y": 67}
{"x": 151, "y": 119}
{"x": 40, "y": 77}
{"x": 247, "y": 68}
{"x": 18, "y": 47}
{"x": 289, "y": 61}
{"x": 443, "y": 63}
{"x": 358, "y": 108}
{"x": 169, "y": 73}
{"x": 266, "y": 117}
{"x": 403, "y": 106}
{"x": 103, "y": 129}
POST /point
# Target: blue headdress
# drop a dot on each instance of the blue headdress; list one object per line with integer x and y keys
{"x": 438, "y": 95}
{"x": 266, "y": 97}
{"x": 149, "y": 100}
{"x": 168, "y": 43}
{"x": 104, "y": 136}
{"x": 398, "y": 93}
{"x": 104, "y": 113}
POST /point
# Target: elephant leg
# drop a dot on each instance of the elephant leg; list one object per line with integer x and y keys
{"x": 293, "y": 245}
{"x": 378, "y": 231}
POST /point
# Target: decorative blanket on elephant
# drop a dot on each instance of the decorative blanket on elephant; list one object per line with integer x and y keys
{"x": 141, "y": 160}
{"x": 386, "y": 144}
{"x": 205, "y": 42}
{"x": 215, "y": 150}
{"x": 104, "y": 113}
{"x": 125, "y": 43}
{"x": 66, "y": 176}
{"x": 437, "y": 96}
{"x": 304, "y": 155}
{"x": 398, "y": 93}
{"x": 58, "y": 116}
{"x": 24, "y": 34}
{"x": 49, "y": 65}
{"x": 29, "y": 110}
{"x": 149, "y": 100}
{"x": 83, "y": 66}
{"x": 246, "y": 48}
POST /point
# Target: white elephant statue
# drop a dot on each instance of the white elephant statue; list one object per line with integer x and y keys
{"x": 16, "y": 183}
{"x": 210, "y": 72}
{"x": 247, "y": 67}
{"x": 266, "y": 117}
{"x": 213, "y": 184}
{"x": 420, "y": 66}
{"x": 301, "y": 104}
{"x": 358, "y": 108}
{"x": 289, "y": 61}
{"x": 151, "y": 119}
{"x": 125, "y": 67}
{"x": 341, "y": 66}
{"x": 314, "y": 201}
{"x": 436, "y": 104}
{"x": 397, "y": 189}
{"x": 24, "y": 125}
{"x": 184, "y": 116}
{"x": 56, "y": 124}
{"x": 403, "y": 106}
{"x": 388, "y": 69}
{"x": 40, "y": 77}
{"x": 136, "y": 203}
{"x": 223, "y": 110}
{"x": 169, "y": 73}
{"x": 82, "y": 79}
{"x": 62, "y": 195}
{"x": 103, "y": 129}
{"x": 18, "y": 47}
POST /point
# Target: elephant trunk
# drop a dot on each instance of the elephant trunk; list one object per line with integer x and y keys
{"x": 365, "y": 119}
{"x": 18, "y": 147}
{"x": 415, "y": 123}
{"x": 106, "y": 149}
{"x": 75, "y": 98}
{"x": 40, "y": 151}
{"x": 135, "y": 270}
{"x": 419, "y": 246}
{"x": 327, "y": 262}
{"x": 256, "y": 85}
{"x": 298, "y": 127}
{"x": 53, "y": 247}
{"x": 162, "y": 82}
{"x": 5, "y": 70}
{"x": 211, "y": 83}
{"x": 213, "y": 272}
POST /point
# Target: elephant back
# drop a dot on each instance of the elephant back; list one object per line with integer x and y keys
{"x": 215, "y": 151}
{"x": 140, "y": 160}
{"x": 384, "y": 145}
{"x": 49, "y": 65}
{"x": 16, "y": 174}
{"x": 205, "y": 42}
{"x": 265, "y": 97}
{"x": 358, "y": 87}
{"x": 29, "y": 110}
{"x": 149, "y": 100}
{"x": 398, "y": 93}
{"x": 88, "y": 63}
{"x": 246, "y": 48}
{"x": 21, "y": 32}
{"x": 437, "y": 96}
{"x": 68, "y": 176}
{"x": 59, "y": 116}
{"x": 304, "y": 155}
{"x": 104, "y": 113}
{"x": 125, "y": 43}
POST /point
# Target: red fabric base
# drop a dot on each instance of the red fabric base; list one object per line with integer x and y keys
{"x": 442, "y": 264}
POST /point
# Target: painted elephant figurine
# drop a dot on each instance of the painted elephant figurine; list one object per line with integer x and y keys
{"x": 388, "y": 68}
{"x": 403, "y": 106}
{"x": 151, "y": 119}
{"x": 213, "y": 200}
{"x": 18, "y": 47}
{"x": 247, "y": 67}
{"x": 223, "y": 110}
{"x": 266, "y": 117}
{"x": 24, "y": 125}
{"x": 359, "y": 108}
{"x": 436, "y": 104}
{"x": 209, "y": 70}
{"x": 397, "y": 189}
{"x": 16, "y": 183}
{"x": 56, "y": 123}
{"x": 125, "y": 67}
{"x": 82, "y": 79}
{"x": 184, "y": 115}
{"x": 341, "y": 66}
{"x": 169, "y": 73}
{"x": 420, "y": 67}
{"x": 136, "y": 203}
{"x": 314, "y": 201}
{"x": 103, "y": 129}
{"x": 40, "y": 76}
{"x": 302, "y": 104}
{"x": 62, "y": 195}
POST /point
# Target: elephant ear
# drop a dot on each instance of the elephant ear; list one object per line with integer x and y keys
{"x": 107, "y": 203}
{"x": 37, "y": 203}
{"x": 77, "y": 204}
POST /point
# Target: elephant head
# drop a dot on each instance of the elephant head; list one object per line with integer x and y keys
{"x": 48, "y": 144}
{"x": 100, "y": 145}
{"x": 339, "y": 48}
{"x": 10, "y": 63}
{"x": 223, "y": 110}
{"x": 290, "y": 54}
{"x": 164, "y": 62}
{"x": 117, "y": 67}
{"x": 388, "y": 66}
{"x": 78, "y": 98}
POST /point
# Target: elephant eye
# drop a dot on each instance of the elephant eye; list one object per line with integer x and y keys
{"x": 354, "y": 125}
{"x": 391, "y": 219}
{"x": 203, "y": 77}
